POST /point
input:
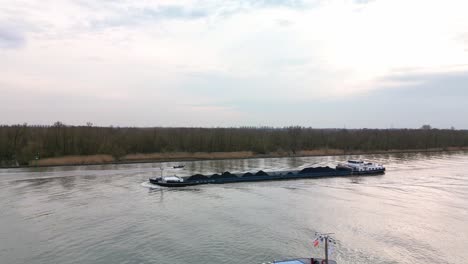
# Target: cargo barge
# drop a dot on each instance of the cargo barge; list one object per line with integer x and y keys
{"x": 227, "y": 177}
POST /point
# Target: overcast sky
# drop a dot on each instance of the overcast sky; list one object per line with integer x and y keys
{"x": 375, "y": 64}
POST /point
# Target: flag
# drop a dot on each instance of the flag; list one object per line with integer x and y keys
{"x": 316, "y": 243}
{"x": 331, "y": 249}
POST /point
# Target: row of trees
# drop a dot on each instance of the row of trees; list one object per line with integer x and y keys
{"x": 23, "y": 143}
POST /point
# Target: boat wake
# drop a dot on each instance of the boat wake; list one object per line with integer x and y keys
{"x": 149, "y": 185}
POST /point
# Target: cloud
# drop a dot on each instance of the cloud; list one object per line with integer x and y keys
{"x": 280, "y": 3}
{"x": 284, "y": 22}
{"x": 429, "y": 86}
{"x": 363, "y": 1}
{"x": 172, "y": 11}
{"x": 11, "y": 39}
{"x": 463, "y": 38}
{"x": 130, "y": 13}
{"x": 151, "y": 109}
{"x": 132, "y": 16}
{"x": 434, "y": 98}
{"x": 228, "y": 57}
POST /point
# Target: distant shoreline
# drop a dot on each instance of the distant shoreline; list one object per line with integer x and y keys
{"x": 93, "y": 160}
{"x": 62, "y": 145}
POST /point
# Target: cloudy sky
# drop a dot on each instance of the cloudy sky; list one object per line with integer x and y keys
{"x": 381, "y": 63}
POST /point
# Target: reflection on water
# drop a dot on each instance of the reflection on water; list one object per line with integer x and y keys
{"x": 416, "y": 213}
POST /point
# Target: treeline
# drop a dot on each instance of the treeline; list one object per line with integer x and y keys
{"x": 19, "y": 144}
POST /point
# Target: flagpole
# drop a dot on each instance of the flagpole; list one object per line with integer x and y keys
{"x": 326, "y": 249}
{"x": 326, "y": 237}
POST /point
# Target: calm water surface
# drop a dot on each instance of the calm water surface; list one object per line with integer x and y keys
{"x": 416, "y": 213}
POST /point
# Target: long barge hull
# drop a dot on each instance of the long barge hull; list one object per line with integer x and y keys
{"x": 272, "y": 176}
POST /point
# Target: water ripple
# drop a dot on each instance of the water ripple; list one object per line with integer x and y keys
{"x": 415, "y": 213}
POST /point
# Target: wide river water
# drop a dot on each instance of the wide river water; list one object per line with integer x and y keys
{"x": 415, "y": 213}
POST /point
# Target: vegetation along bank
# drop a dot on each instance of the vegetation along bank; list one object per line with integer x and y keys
{"x": 60, "y": 144}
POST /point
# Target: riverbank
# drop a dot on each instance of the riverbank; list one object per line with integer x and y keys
{"x": 103, "y": 159}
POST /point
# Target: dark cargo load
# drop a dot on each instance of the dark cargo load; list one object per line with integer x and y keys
{"x": 261, "y": 173}
{"x": 225, "y": 175}
{"x": 197, "y": 177}
{"x": 316, "y": 169}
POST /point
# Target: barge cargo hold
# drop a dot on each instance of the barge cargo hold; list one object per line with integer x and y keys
{"x": 227, "y": 177}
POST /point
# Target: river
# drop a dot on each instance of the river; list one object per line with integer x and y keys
{"x": 417, "y": 212}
